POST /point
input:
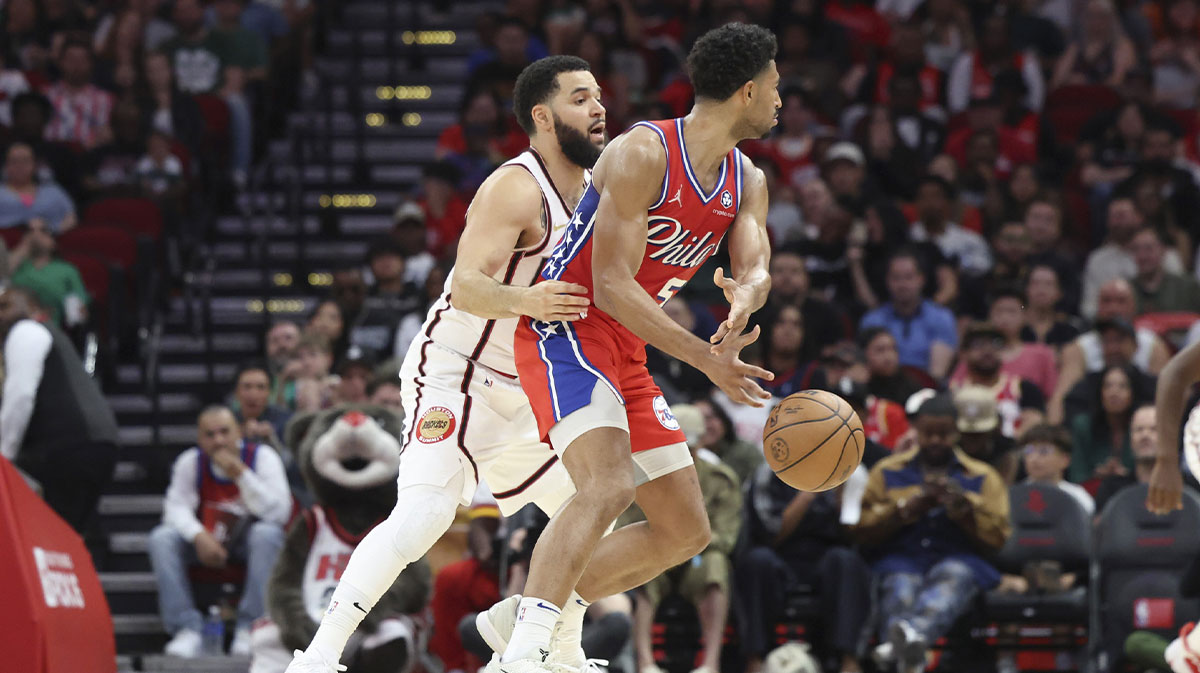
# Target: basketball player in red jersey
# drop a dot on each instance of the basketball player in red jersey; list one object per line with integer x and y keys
{"x": 663, "y": 197}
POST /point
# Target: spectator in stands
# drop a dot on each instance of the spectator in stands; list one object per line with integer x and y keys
{"x": 795, "y": 538}
{"x": 389, "y": 299}
{"x": 1101, "y": 434}
{"x": 1143, "y": 443}
{"x": 792, "y": 145}
{"x": 785, "y": 222}
{"x": 719, "y": 438}
{"x": 327, "y": 320}
{"x": 1010, "y": 243}
{"x": 1115, "y": 258}
{"x": 1047, "y": 454}
{"x": 1100, "y": 54}
{"x": 386, "y": 393}
{"x": 55, "y": 424}
{"x": 782, "y": 353}
{"x": 81, "y": 109}
{"x": 281, "y": 342}
{"x": 155, "y": 29}
{"x": 12, "y": 84}
{"x": 24, "y": 198}
{"x": 54, "y": 281}
{"x": 25, "y": 29}
{"x": 935, "y": 199}
{"x": 824, "y": 325}
{"x": 121, "y": 51}
{"x": 1173, "y": 55}
{"x": 885, "y": 377}
{"x": 1044, "y": 221}
{"x": 354, "y": 375}
{"x": 484, "y": 138}
{"x": 1044, "y": 323}
{"x": 111, "y": 166}
{"x": 948, "y": 33}
{"x": 498, "y": 75}
{"x": 917, "y": 122}
{"x": 228, "y": 499}
{"x": 980, "y": 435}
{"x": 705, "y": 581}
{"x": 825, "y": 251}
{"x": 206, "y": 62}
{"x": 314, "y": 359}
{"x": 1157, "y": 289}
{"x": 468, "y": 586}
{"x": 1019, "y": 402}
{"x": 168, "y": 110}
{"x": 1109, "y": 145}
{"x": 927, "y": 515}
{"x": 972, "y": 75}
{"x": 159, "y": 173}
{"x": 411, "y": 235}
{"x": 444, "y": 209}
{"x": 679, "y": 381}
{"x": 261, "y": 421}
{"x": 1165, "y": 192}
{"x": 927, "y": 332}
{"x": 1114, "y": 341}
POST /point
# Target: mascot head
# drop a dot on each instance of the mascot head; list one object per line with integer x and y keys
{"x": 349, "y": 456}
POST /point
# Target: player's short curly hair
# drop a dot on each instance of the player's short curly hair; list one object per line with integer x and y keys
{"x": 538, "y": 82}
{"x": 725, "y": 58}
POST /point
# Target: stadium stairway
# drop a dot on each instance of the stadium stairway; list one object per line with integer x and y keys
{"x": 390, "y": 81}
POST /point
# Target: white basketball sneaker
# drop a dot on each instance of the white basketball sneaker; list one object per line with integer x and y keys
{"x": 497, "y": 623}
{"x": 311, "y": 662}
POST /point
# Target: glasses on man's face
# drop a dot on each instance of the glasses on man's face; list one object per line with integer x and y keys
{"x": 1037, "y": 449}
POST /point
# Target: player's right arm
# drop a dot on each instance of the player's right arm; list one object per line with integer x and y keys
{"x": 508, "y": 204}
{"x": 629, "y": 179}
{"x": 1166, "y": 481}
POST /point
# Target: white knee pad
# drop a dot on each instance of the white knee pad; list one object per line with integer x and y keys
{"x": 422, "y": 515}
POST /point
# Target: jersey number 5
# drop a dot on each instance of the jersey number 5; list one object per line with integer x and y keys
{"x": 669, "y": 289}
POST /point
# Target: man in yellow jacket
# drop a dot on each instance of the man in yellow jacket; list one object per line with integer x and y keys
{"x": 931, "y": 518}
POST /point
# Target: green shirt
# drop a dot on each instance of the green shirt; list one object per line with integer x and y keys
{"x": 1174, "y": 293}
{"x": 199, "y": 65}
{"x": 51, "y": 284}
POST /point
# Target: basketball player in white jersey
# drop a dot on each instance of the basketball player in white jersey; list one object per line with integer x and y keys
{"x": 466, "y": 417}
{"x": 1174, "y": 385}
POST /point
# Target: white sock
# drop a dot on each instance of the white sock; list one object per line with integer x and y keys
{"x": 530, "y": 639}
{"x": 569, "y": 639}
{"x": 346, "y": 610}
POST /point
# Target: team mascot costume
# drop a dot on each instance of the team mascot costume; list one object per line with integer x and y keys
{"x": 348, "y": 457}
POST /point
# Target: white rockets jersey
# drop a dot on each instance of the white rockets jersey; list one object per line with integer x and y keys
{"x": 328, "y": 553}
{"x": 490, "y": 342}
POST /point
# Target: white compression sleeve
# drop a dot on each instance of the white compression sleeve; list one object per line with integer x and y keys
{"x": 422, "y": 514}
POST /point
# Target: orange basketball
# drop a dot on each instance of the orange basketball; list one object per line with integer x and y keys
{"x": 813, "y": 440}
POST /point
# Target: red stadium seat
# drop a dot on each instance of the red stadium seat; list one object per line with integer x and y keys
{"x": 1171, "y": 327}
{"x": 1068, "y": 108}
{"x": 138, "y": 216}
{"x": 111, "y": 244}
{"x": 216, "y": 118}
{"x": 12, "y": 236}
{"x": 95, "y": 274}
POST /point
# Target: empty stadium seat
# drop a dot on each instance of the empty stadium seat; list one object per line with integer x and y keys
{"x": 138, "y": 216}
{"x": 113, "y": 244}
{"x": 1138, "y": 560}
{"x": 1048, "y": 525}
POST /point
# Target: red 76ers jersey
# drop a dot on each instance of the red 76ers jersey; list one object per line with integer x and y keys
{"x": 683, "y": 228}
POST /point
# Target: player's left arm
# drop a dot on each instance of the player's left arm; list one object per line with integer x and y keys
{"x": 749, "y": 256}
{"x": 1166, "y": 481}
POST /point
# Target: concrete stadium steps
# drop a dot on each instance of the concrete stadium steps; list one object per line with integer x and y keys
{"x": 253, "y": 284}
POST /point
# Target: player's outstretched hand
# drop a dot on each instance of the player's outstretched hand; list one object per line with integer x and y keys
{"x": 554, "y": 300}
{"x": 739, "y": 298}
{"x": 1166, "y": 488}
{"x": 734, "y": 377}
